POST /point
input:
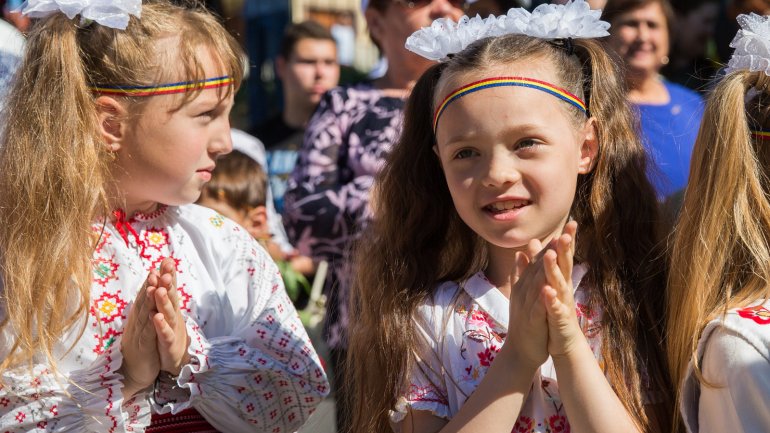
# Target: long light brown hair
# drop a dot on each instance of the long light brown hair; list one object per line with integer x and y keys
{"x": 417, "y": 238}
{"x": 720, "y": 257}
{"x": 54, "y": 166}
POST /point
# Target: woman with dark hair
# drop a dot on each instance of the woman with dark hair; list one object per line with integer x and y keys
{"x": 670, "y": 114}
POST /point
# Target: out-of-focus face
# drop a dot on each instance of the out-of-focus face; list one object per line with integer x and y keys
{"x": 400, "y": 19}
{"x": 484, "y": 8}
{"x": 641, "y": 39}
{"x": 761, "y": 7}
{"x": 310, "y": 71}
{"x": 695, "y": 29}
{"x": 595, "y": 4}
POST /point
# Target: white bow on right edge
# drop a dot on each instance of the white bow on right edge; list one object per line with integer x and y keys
{"x": 110, "y": 13}
{"x": 752, "y": 45}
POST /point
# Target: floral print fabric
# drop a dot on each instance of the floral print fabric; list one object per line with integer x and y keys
{"x": 464, "y": 326}
{"x": 326, "y": 203}
{"x": 252, "y": 369}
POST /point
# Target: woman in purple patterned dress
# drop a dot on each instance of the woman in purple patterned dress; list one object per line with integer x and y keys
{"x": 347, "y": 139}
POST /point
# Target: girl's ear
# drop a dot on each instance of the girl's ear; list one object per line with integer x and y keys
{"x": 112, "y": 117}
{"x": 589, "y": 149}
{"x": 375, "y": 23}
{"x": 438, "y": 155}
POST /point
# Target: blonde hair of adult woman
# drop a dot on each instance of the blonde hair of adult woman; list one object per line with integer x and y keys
{"x": 721, "y": 245}
{"x": 55, "y": 177}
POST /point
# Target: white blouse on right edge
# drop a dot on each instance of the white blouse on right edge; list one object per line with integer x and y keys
{"x": 735, "y": 359}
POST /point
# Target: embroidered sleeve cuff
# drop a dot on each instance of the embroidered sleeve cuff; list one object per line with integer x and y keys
{"x": 420, "y": 398}
{"x": 177, "y": 394}
{"x": 264, "y": 390}
{"x": 96, "y": 392}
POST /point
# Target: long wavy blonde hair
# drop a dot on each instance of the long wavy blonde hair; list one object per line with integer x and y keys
{"x": 720, "y": 257}
{"x": 54, "y": 166}
{"x": 417, "y": 239}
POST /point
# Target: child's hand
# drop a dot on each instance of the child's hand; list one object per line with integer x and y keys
{"x": 527, "y": 327}
{"x": 141, "y": 364}
{"x": 170, "y": 328}
{"x": 564, "y": 331}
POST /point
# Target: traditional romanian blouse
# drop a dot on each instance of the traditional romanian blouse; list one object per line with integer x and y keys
{"x": 464, "y": 326}
{"x": 252, "y": 369}
{"x": 734, "y": 356}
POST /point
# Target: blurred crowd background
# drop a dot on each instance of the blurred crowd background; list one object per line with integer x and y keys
{"x": 298, "y": 50}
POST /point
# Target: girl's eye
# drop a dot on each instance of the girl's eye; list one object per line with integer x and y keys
{"x": 464, "y": 153}
{"x": 527, "y": 143}
{"x": 209, "y": 113}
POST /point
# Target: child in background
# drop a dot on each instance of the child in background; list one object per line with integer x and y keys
{"x": 120, "y": 298}
{"x": 462, "y": 322}
{"x": 719, "y": 289}
{"x": 238, "y": 190}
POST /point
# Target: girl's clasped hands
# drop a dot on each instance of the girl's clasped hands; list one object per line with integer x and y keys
{"x": 155, "y": 338}
{"x": 542, "y": 308}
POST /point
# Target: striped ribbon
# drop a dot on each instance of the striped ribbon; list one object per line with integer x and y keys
{"x": 507, "y": 81}
{"x": 163, "y": 89}
{"x": 761, "y": 134}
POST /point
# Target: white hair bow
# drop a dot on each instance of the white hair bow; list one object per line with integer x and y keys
{"x": 110, "y": 13}
{"x": 752, "y": 44}
{"x": 444, "y": 37}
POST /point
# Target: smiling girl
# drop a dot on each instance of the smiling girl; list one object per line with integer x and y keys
{"x": 463, "y": 321}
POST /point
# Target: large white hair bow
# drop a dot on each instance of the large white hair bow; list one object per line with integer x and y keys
{"x": 752, "y": 44}
{"x": 444, "y": 37}
{"x": 110, "y": 13}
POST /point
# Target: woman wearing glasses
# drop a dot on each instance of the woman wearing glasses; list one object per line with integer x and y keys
{"x": 327, "y": 201}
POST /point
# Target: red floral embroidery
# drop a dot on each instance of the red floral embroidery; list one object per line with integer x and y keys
{"x": 523, "y": 425}
{"x": 559, "y": 424}
{"x": 758, "y": 313}
{"x": 426, "y": 394}
{"x": 105, "y": 341}
{"x": 108, "y": 307}
{"x": 184, "y": 297}
{"x": 104, "y": 237}
{"x": 488, "y": 355}
{"x": 105, "y": 270}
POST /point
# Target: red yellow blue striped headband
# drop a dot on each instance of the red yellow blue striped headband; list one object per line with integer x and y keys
{"x": 761, "y": 134}
{"x": 163, "y": 89}
{"x": 507, "y": 81}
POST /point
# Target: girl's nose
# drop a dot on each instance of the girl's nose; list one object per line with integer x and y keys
{"x": 221, "y": 142}
{"x": 501, "y": 171}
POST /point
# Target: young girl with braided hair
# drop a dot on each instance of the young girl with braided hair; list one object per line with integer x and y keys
{"x": 521, "y": 140}
{"x": 718, "y": 317}
{"x": 121, "y": 303}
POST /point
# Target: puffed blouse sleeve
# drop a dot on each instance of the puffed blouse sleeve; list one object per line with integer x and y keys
{"x": 738, "y": 399}
{"x": 264, "y": 375}
{"x": 423, "y": 386}
{"x": 35, "y": 398}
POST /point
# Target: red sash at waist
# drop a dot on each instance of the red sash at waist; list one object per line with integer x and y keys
{"x": 186, "y": 421}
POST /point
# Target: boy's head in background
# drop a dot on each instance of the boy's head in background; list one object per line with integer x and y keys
{"x": 307, "y": 65}
{"x": 238, "y": 190}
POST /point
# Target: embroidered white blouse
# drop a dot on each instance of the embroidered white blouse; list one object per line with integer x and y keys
{"x": 735, "y": 357}
{"x": 464, "y": 327}
{"x": 253, "y": 367}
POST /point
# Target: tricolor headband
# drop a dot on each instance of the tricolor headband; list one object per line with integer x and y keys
{"x": 163, "y": 89}
{"x": 761, "y": 134}
{"x": 487, "y": 83}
